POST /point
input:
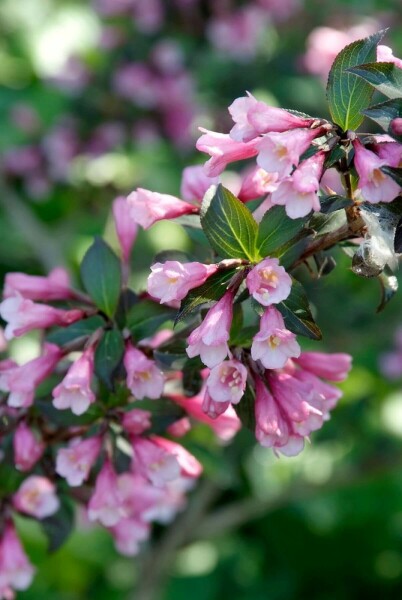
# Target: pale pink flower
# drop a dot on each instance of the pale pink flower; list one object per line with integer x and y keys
{"x": 298, "y": 193}
{"x": 179, "y": 428}
{"x": 23, "y": 315}
{"x": 253, "y": 117}
{"x": 227, "y": 382}
{"x": 149, "y": 207}
{"x": 144, "y": 379}
{"x": 173, "y": 280}
{"x": 189, "y": 465}
{"x": 331, "y": 182}
{"x": 126, "y": 227}
{"x": 106, "y": 504}
{"x": 223, "y": 150}
{"x": 334, "y": 367}
{"x": 385, "y": 54}
{"x": 74, "y": 392}
{"x": 396, "y": 126}
{"x": 212, "y": 408}
{"x": 256, "y": 183}
{"x": 15, "y": 569}
{"x": 390, "y": 152}
{"x": 128, "y": 533}
{"x": 56, "y": 286}
{"x": 75, "y": 462}
{"x": 139, "y": 498}
{"x": 21, "y": 381}
{"x": 280, "y": 152}
{"x": 273, "y": 345}
{"x": 136, "y": 421}
{"x": 325, "y": 396}
{"x": 154, "y": 462}
{"x": 265, "y": 206}
{"x": 36, "y": 497}
{"x": 195, "y": 183}
{"x": 268, "y": 282}
{"x": 28, "y": 449}
{"x": 375, "y": 185}
{"x": 210, "y": 339}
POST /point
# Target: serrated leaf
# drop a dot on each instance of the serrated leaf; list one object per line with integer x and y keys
{"x": 335, "y": 155}
{"x": 297, "y": 314}
{"x": 80, "y": 329}
{"x": 213, "y": 289}
{"x": 276, "y": 230}
{"x": 326, "y": 223}
{"x": 146, "y": 316}
{"x": 330, "y": 204}
{"x": 229, "y": 225}
{"x": 108, "y": 355}
{"x": 383, "y": 76}
{"x": 383, "y": 114}
{"x": 347, "y": 95}
{"x": 59, "y": 526}
{"x": 389, "y": 287}
{"x": 394, "y": 172}
{"x": 101, "y": 276}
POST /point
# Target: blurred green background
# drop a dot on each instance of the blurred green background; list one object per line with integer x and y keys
{"x": 76, "y": 132}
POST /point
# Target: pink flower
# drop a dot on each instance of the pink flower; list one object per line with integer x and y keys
{"x": 56, "y": 286}
{"x": 144, "y": 379}
{"x": 21, "y": 381}
{"x": 299, "y": 192}
{"x": 390, "y": 152}
{"x": 256, "y": 183}
{"x": 212, "y": 408}
{"x": 210, "y": 339}
{"x": 36, "y": 497}
{"x": 126, "y": 227}
{"x": 74, "y": 391}
{"x": 223, "y": 150}
{"x": 189, "y": 465}
{"x": 375, "y": 185}
{"x": 334, "y": 367}
{"x": 136, "y": 421}
{"x": 128, "y": 533}
{"x": 253, "y": 118}
{"x": 149, "y": 207}
{"x": 265, "y": 206}
{"x": 280, "y": 152}
{"x": 15, "y": 569}
{"x": 23, "y": 315}
{"x": 173, "y": 280}
{"x": 75, "y": 462}
{"x": 268, "y": 282}
{"x": 179, "y": 428}
{"x": 324, "y": 397}
{"x": 384, "y": 54}
{"x": 154, "y": 462}
{"x": 195, "y": 183}
{"x": 274, "y": 344}
{"x": 227, "y": 382}
{"x": 396, "y": 126}
{"x": 27, "y": 448}
{"x": 106, "y": 503}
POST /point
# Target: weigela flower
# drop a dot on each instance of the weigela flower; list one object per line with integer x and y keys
{"x": 334, "y": 367}
{"x": 23, "y": 315}
{"x": 189, "y": 465}
{"x": 253, "y": 118}
{"x": 212, "y": 408}
{"x": 257, "y": 182}
{"x": 396, "y": 126}
{"x": 136, "y": 421}
{"x": 298, "y": 193}
{"x": 144, "y": 379}
{"x": 16, "y": 572}
{"x": 28, "y": 449}
{"x": 385, "y": 54}
{"x": 74, "y": 391}
{"x": 227, "y": 382}
{"x": 223, "y": 150}
{"x": 149, "y": 207}
{"x": 36, "y": 497}
{"x": 195, "y": 183}
{"x": 126, "y": 226}
{"x": 374, "y": 185}
{"x": 75, "y": 462}
{"x": 56, "y": 286}
{"x": 173, "y": 280}
{"x": 210, "y": 339}
{"x": 154, "y": 462}
{"x": 128, "y": 534}
{"x": 268, "y": 282}
{"x": 106, "y": 503}
{"x": 273, "y": 345}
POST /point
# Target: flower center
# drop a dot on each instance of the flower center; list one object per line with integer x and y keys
{"x": 273, "y": 341}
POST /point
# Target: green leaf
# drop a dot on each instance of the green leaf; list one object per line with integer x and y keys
{"x": 245, "y": 409}
{"x": 101, "y": 276}
{"x": 171, "y": 355}
{"x": 108, "y": 355}
{"x": 337, "y": 153}
{"x": 65, "y": 418}
{"x": 383, "y": 114}
{"x": 347, "y": 95}
{"x": 383, "y": 76}
{"x": 80, "y": 329}
{"x": 213, "y": 289}
{"x": 394, "y": 172}
{"x": 229, "y": 225}
{"x": 146, "y": 316}
{"x": 59, "y": 526}
{"x": 297, "y": 314}
{"x": 330, "y": 204}
{"x": 276, "y": 230}
{"x": 326, "y": 223}
{"x": 389, "y": 287}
